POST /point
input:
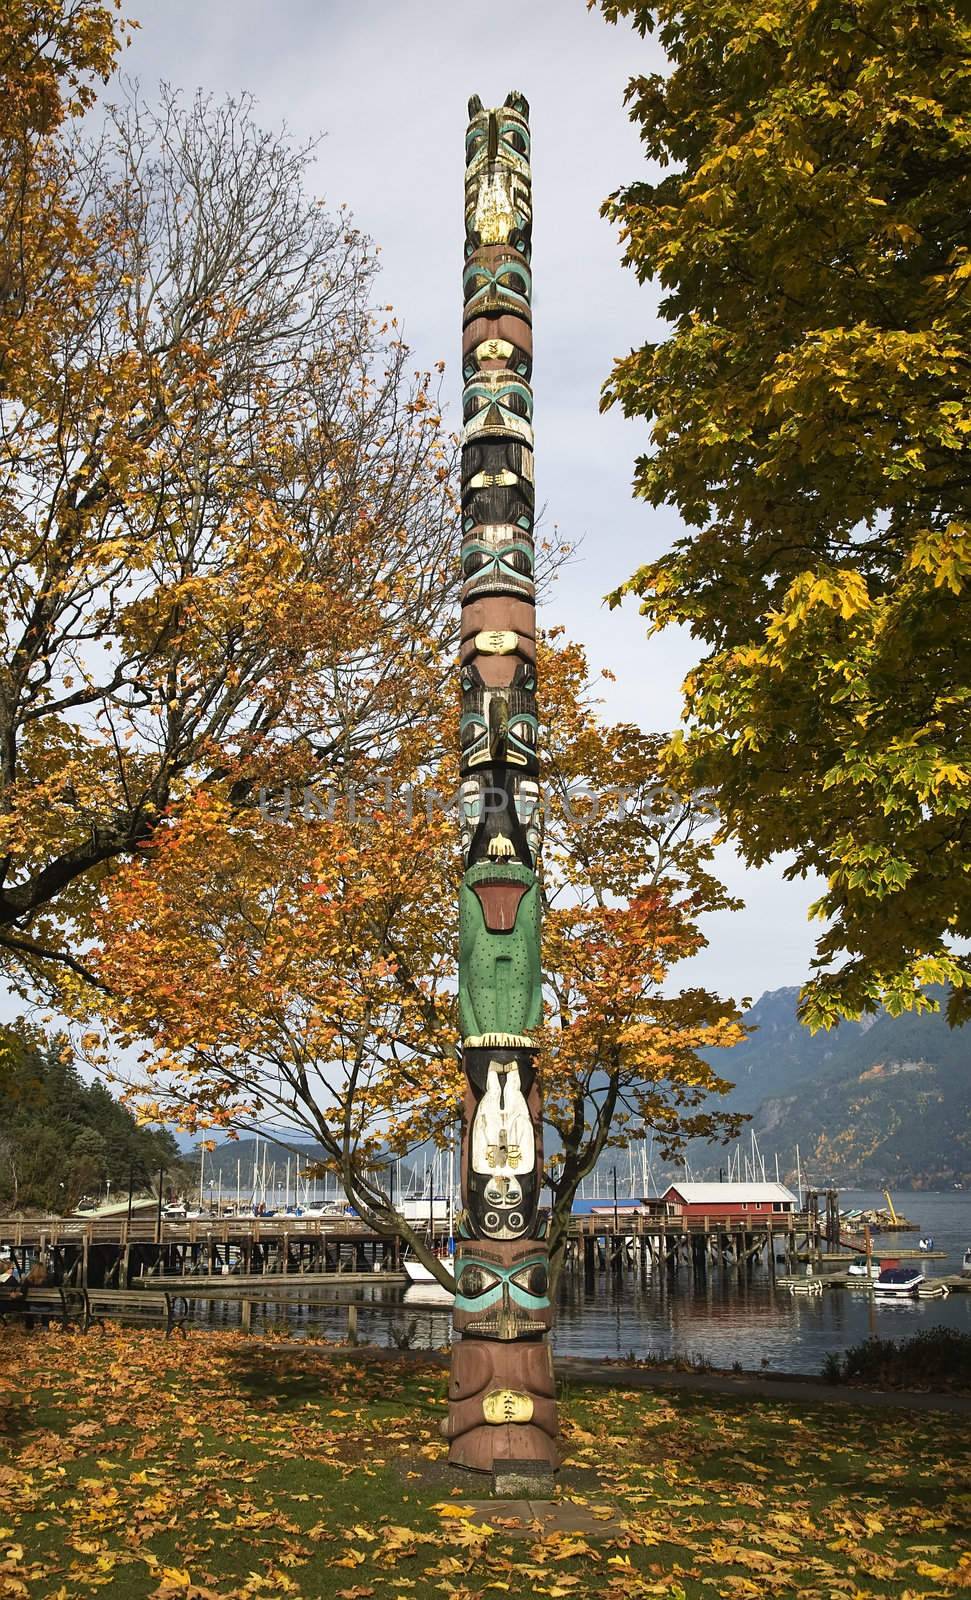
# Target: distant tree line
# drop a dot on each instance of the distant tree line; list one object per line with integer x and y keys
{"x": 61, "y": 1138}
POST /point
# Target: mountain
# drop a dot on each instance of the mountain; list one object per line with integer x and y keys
{"x": 779, "y": 1054}
{"x": 886, "y": 1100}
{"x": 248, "y": 1155}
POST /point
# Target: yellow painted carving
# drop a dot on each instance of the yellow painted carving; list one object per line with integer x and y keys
{"x": 492, "y": 480}
{"x": 494, "y": 350}
{"x": 501, "y": 847}
{"x": 496, "y": 642}
{"x": 507, "y": 1405}
{"x": 499, "y": 1041}
{"x": 495, "y": 214}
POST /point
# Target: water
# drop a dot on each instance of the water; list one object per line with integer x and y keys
{"x": 724, "y": 1316}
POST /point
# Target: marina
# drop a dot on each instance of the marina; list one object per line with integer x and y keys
{"x": 716, "y": 1227}
{"x": 617, "y": 1300}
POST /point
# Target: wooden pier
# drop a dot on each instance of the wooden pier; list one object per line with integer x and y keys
{"x": 113, "y": 1251}
{"x": 117, "y": 1251}
{"x": 642, "y": 1242}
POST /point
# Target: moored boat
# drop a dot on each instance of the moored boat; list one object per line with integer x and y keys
{"x": 417, "y": 1271}
{"x": 423, "y": 1285}
{"x": 897, "y": 1282}
{"x": 860, "y": 1269}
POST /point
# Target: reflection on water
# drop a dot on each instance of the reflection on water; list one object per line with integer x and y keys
{"x": 724, "y": 1315}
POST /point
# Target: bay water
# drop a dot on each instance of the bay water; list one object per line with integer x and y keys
{"x": 724, "y": 1315}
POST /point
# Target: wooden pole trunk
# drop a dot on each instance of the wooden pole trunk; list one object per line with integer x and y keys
{"x": 502, "y": 1410}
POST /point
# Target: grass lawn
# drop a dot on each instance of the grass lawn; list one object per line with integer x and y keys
{"x": 223, "y": 1467}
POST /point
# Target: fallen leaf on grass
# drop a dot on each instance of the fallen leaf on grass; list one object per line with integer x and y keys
{"x": 353, "y": 1558}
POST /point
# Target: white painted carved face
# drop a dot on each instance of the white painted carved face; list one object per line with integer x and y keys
{"x": 504, "y": 1193}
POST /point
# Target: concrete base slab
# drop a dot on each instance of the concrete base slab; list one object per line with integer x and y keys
{"x": 511, "y": 1483}
{"x": 524, "y": 1519}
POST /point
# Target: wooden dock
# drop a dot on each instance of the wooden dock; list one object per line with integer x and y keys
{"x": 117, "y": 1251}
{"x": 113, "y": 1251}
{"x": 343, "y": 1291}
{"x": 954, "y": 1283}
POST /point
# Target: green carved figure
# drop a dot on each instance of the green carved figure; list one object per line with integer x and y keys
{"x": 500, "y": 987}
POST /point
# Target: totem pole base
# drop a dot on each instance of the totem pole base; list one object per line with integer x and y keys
{"x": 506, "y": 1452}
{"x": 510, "y": 1477}
{"x": 502, "y": 1413}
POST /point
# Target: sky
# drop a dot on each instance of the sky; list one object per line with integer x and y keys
{"x": 386, "y": 83}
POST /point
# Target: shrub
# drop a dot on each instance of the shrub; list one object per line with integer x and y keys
{"x": 937, "y": 1358}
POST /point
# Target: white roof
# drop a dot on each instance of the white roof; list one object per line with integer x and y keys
{"x": 707, "y": 1194}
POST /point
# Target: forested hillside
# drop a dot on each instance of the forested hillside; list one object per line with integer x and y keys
{"x": 61, "y": 1138}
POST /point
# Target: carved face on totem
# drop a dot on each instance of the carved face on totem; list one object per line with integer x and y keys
{"x": 497, "y": 344}
{"x": 498, "y": 135}
{"x": 502, "y": 1402}
{"x": 497, "y": 279}
{"x": 500, "y": 988}
{"x": 502, "y": 1290}
{"x": 497, "y": 652}
{"x": 501, "y": 620}
{"x": 500, "y": 818}
{"x": 497, "y": 484}
{"x": 496, "y": 402}
{"x": 497, "y": 559}
{"x": 502, "y": 1155}
{"x": 499, "y": 725}
{"x": 498, "y": 197}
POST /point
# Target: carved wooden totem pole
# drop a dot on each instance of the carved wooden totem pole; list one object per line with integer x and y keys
{"x": 502, "y": 1411}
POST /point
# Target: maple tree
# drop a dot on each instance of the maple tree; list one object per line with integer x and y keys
{"x": 52, "y": 53}
{"x": 626, "y": 878}
{"x": 225, "y": 507}
{"x": 809, "y": 419}
{"x": 295, "y": 973}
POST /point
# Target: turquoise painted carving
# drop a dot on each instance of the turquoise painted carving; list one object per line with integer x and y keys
{"x": 502, "y": 1294}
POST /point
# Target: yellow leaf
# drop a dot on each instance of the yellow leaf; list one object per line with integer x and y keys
{"x": 352, "y": 1559}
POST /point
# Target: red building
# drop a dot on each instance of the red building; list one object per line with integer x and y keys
{"x": 728, "y": 1202}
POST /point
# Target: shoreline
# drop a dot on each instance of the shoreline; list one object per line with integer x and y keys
{"x": 606, "y": 1373}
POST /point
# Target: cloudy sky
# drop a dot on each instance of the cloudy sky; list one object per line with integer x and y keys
{"x": 386, "y": 83}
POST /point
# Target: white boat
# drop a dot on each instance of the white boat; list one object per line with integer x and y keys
{"x": 423, "y": 1286}
{"x": 896, "y": 1283}
{"x": 419, "y": 1273}
{"x": 933, "y": 1291}
{"x": 966, "y": 1263}
{"x": 859, "y": 1269}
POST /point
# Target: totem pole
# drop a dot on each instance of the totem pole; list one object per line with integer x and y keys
{"x": 502, "y": 1408}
